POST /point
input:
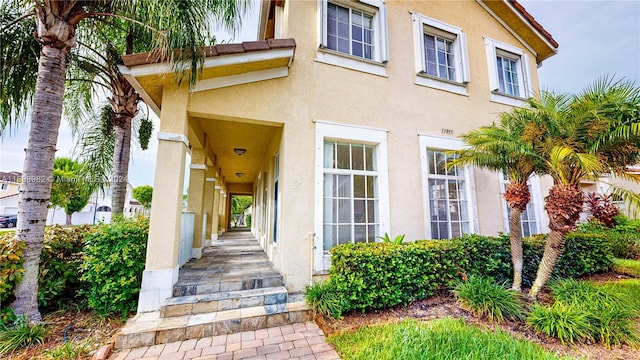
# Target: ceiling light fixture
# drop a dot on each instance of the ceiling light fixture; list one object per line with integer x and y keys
{"x": 239, "y": 151}
{"x": 239, "y": 174}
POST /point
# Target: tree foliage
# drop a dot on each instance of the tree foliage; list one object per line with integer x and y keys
{"x": 144, "y": 195}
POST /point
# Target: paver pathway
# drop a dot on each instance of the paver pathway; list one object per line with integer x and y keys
{"x": 304, "y": 341}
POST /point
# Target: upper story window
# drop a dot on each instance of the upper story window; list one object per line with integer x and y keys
{"x": 509, "y": 75}
{"x": 4, "y": 186}
{"x": 441, "y": 57}
{"x": 353, "y": 35}
{"x": 350, "y": 31}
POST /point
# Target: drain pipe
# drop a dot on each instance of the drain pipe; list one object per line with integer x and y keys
{"x": 313, "y": 256}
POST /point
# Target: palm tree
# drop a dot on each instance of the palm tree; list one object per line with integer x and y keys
{"x": 581, "y": 138}
{"x": 178, "y": 24}
{"x": 501, "y": 148}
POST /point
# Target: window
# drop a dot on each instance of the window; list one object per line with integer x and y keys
{"x": 349, "y": 31}
{"x": 4, "y": 186}
{"x": 276, "y": 177}
{"x": 440, "y": 55}
{"x": 104, "y": 208}
{"x": 350, "y": 194}
{"x": 353, "y": 35}
{"x": 448, "y": 192}
{"x": 352, "y": 191}
{"x": 508, "y": 73}
{"x": 529, "y": 218}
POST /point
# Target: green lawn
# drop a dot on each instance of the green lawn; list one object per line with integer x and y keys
{"x": 440, "y": 339}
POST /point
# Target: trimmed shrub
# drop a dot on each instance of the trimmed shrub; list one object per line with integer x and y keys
{"x": 487, "y": 298}
{"x": 60, "y": 266}
{"x": 624, "y": 239}
{"x": 115, "y": 258}
{"x": 10, "y": 266}
{"x": 381, "y": 275}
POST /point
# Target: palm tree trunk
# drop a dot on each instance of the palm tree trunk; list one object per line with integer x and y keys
{"x": 563, "y": 205}
{"x": 552, "y": 252}
{"x": 121, "y": 155}
{"x": 515, "y": 236}
{"x": 37, "y": 174}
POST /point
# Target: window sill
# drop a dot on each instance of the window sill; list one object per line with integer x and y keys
{"x": 335, "y": 58}
{"x": 423, "y": 79}
{"x": 505, "y": 99}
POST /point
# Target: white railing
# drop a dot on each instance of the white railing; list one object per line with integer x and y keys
{"x": 186, "y": 237}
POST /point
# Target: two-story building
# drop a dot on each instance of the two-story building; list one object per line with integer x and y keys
{"x": 337, "y": 121}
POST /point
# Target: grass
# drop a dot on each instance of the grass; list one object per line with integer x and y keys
{"x": 485, "y": 297}
{"x": 21, "y": 334}
{"x": 442, "y": 339}
{"x": 69, "y": 350}
{"x": 627, "y": 267}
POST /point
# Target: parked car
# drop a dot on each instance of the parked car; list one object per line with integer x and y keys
{"x": 8, "y": 220}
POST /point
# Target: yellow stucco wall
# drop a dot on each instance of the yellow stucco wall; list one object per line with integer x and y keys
{"x": 318, "y": 91}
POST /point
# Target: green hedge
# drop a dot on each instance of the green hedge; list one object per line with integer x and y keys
{"x": 115, "y": 259}
{"x": 10, "y": 266}
{"x": 380, "y": 275}
{"x": 624, "y": 239}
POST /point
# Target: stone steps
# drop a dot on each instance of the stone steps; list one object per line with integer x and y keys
{"x": 220, "y": 301}
{"x": 254, "y": 281}
{"x": 147, "y": 329}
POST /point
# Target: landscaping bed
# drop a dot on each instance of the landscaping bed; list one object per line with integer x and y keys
{"x": 444, "y": 305}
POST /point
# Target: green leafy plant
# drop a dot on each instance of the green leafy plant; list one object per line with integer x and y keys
{"x": 610, "y": 312}
{"x": 627, "y": 267}
{"x": 487, "y": 298}
{"x": 60, "y": 266}
{"x": 323, "y": 299}
{"x": 10, "y": 265}
{"x": 387, "y": 239}
{"x": 564, "y": 322}
{"x": 115, "y": 258}
{"x": 69, "y": 350}
{"x": 21, "y": 334}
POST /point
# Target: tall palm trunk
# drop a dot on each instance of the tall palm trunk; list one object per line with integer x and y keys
{"x": 517, "y": 197}
{"x": 563, "y": 205}
{"x": 125, "y": 106}
{"x": 35, "y": 190}
{"x": 515, "y": 237}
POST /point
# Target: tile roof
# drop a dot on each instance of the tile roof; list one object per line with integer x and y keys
{"x": 216, "y": 50}
{"x": 12, "y": 176}
{"x": 533, "y": 22}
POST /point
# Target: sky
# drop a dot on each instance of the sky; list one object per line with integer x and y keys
{"x": 596, "y": 38}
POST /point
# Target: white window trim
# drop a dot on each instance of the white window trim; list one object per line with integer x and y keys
{"x": 367, "y": 135}
{"x": 524, "y": 75}
{"x": 445, "y": 143}
{"x": 377, "y": 66}
{"x": 538, "y": 203}
{"x": 461, "y": 55}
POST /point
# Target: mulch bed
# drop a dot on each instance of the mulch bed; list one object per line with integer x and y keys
{"x": 72, "y": 325}
{"x": 444, "y": 305}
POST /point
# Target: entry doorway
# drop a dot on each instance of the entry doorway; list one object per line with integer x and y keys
{"x": 241, "y": 212}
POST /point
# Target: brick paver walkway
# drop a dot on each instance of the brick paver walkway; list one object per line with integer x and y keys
{"x": 298, "y": 341}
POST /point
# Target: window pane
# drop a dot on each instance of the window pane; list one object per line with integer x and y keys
{"x": 372, "y": 191}
{"x": 343, "y": 45}
{"x": 357, "y": 49}
{"x": 344, "y": 186}
{"x": 344, "y": 234}
{"x": 368, "y": 52}
{"x": 372, "y": 211}
{"x": 443, "y": 230}
{"x": 372, "y": 232}
{"x": 343, "y": 14}
{"x": 359, "y": 215}
{"x": 455, "y": 230}
{"x": 501, "y": 84}
{"x": 332, "y": 42}
{"x": 369, "y": 152}
{"x": 329, "y": 155}
{"x": 434, "y": 231}
{"x": 343, "y": 157}
{"x": 360, "y": 233}
{"x": 329, "y": 185}
{"x": 329, "y": 237}
{"x": 454, "y": 211}
{"x": 356, "y": 32}
{"x": 330, "y": 206}
{"x": 359, "y": 190}
{"x": 440, "y": 162}
{"x": 357, "y": 157}
{"x": 431, "y": 161}
{"x": 344, "y": 211}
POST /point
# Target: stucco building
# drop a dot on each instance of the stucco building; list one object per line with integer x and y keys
{"x": 337, "y": 122}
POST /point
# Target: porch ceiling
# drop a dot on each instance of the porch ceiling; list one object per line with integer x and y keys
{"x": 224, "y": 136}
